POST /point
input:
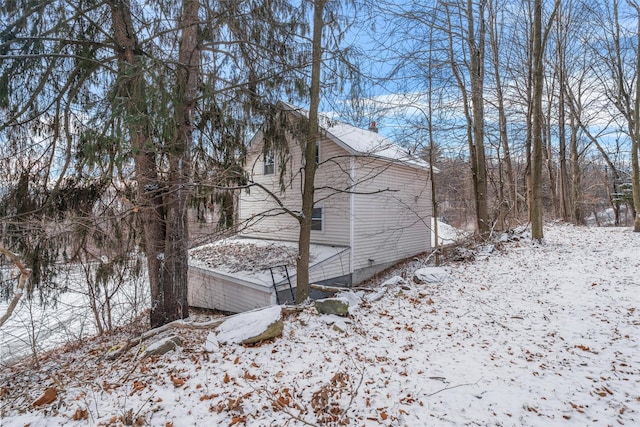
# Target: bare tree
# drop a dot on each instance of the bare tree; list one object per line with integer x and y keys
{"x": 539, "y": 43}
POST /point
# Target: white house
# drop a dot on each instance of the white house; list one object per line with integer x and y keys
{"x": 372, "y": 210}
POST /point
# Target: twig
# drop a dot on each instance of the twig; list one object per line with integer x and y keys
{"x": 339, "y": 289}
{"x": 452, "y": 387}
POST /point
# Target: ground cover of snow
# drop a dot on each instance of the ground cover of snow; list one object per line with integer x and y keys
{"x": 530, "y": 335}
{"x": 69, "y": 319}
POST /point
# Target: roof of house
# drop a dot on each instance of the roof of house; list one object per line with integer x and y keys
{"x": 362, "y": 142}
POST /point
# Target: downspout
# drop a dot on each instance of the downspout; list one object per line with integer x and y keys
{"x": 352, "y": 211}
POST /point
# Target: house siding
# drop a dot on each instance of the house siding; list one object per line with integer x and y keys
{"x": 392, "y": 221}
{"x": 266, "y": 220}
{"x": 213, "y": 291}
{"x": 337, "y": 266}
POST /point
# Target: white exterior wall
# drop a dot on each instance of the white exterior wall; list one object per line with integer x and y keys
{"x": 393, "y": 222}
{"x": 336, "y": 266}
{"x": 213, "y": 291}
{"x": 272, "y": 222}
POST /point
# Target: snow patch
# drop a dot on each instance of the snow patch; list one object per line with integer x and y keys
{"x": 431, "y": 275}
{"x": 247, "y": 325}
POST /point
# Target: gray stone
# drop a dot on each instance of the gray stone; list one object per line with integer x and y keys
{"x": 163, "y": 346}
{"x": 336, "y": 306}
{"x": 252, "y": 326}
{"x": 430, "y": 275}
{"x": 274, "y": 330}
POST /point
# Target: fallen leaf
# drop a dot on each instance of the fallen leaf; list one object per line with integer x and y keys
{"x": 226, "y": 378}
{"x": 47, "y": 397}
{"x": 177, "y": 382}
{"x": 238, "y": 419}
{"x": 137, "y": 386}
{"x": 209, "y": 396}
{"x": 80, "y": 414}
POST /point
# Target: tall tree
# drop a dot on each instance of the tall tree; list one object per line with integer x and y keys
{"x": 471, "y": 13}
{"x": 476, "y": 45}
{"x": 309, "y": 149}
{"x": 145, "y": 102}
{"x": 509, "y": 196}
{"x": 539, "y": 40}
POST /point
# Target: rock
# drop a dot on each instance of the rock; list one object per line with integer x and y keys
{"x": 461, "y": 254}
{"x": 430, "y": 275}
{"x": 251, "y": 327}
{"x": 337, "y": 323}
{"x": 337, "y": 306}
{"x": 163, "y": 346}
{"x": 394, "y": 281}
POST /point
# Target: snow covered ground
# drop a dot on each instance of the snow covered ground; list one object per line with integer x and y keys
{"x": 532, "y": 335}
{"x": 45, "y": 327}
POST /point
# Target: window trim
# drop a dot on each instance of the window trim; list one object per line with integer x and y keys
{"x": 268, "y": 163}
{"x": 317, "y": 220}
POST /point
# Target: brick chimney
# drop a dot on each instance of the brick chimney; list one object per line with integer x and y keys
{"x": 373, "y": 128}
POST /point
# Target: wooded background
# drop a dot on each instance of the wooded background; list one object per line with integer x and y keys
{"x": 122, "y": 120}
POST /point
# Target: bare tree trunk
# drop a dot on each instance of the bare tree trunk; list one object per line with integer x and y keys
{"x": 174, "y": 277}
{"x": 150, "y": 204}
{"x": 635, "y": 137}
{"x": 539, "y": 42}
{"x": 576, "y": 184}
{"x": 308, "y": 186}
{"x": 548, "y": 154}
{"x": 537, "y": 157}
{"x": 476, "y": 68}
{"x": 509, "y": 202}
{"x": 563, "y": 179}
{"x": 163, "y": 210}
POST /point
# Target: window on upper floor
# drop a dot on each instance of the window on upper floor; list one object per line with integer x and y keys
{"x": 269, "y": 163}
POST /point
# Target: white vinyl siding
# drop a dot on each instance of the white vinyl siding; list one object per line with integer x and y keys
{"x": 267, "y": 220}
{"x": 208, "y": 289}
{"x": 392, "y": 222}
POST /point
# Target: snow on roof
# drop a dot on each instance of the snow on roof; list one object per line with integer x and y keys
{"x": 249, "y": 259}
{"x": 362, "y": 142}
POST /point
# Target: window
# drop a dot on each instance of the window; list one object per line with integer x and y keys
{"x": 317, "y": 219}
{"x": 269, "y": 163}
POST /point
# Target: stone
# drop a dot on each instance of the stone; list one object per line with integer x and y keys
{"x": 430, "y": 275}
{"x": 163, "y": 346}
{"x": 337, "y": 306}
{"x": 251, "y": 327}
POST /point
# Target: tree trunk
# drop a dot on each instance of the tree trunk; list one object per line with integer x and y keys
{"x": 162, "y": 210}
{"x": 175, "y": 269}
{"x": 537, "y": 154}
{"x": 576, "y": 184}
{"x": 476, "y": 69}
{"x": 508, "y": 203}
{"x": 635, "y": 140}
{"x": 308, "y": 186}
{"x": 563, "y": 179}
{"x": 132, "y": 87}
